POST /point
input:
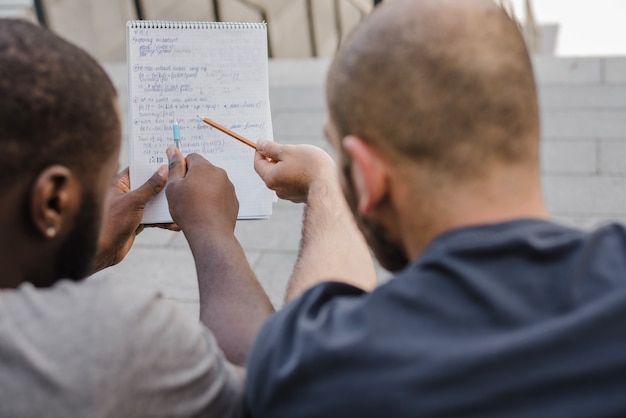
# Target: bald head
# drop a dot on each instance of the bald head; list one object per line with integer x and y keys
{"x": 447, "y": 84}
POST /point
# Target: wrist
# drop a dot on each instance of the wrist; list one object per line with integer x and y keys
{"x": 207, "y": 232}
{"x": 324, "y": 188}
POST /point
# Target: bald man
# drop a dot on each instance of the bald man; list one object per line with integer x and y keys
{"x": 494, "y": 311}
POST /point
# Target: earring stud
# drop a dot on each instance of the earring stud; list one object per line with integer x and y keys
{"x": 51, "y": 232}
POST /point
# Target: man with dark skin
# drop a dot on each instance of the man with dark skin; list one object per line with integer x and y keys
{"x": 493, "y": 311}
{"x": 76, "y": 347}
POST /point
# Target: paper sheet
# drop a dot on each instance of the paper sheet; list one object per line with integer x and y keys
{"x": 179, "y": 70}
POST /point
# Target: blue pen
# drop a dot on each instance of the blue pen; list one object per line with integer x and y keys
{"x": 176, "y": 134}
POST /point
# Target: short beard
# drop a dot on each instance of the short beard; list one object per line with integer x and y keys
{"x": 76, "y": 256}
{"x": 389, "y": 252}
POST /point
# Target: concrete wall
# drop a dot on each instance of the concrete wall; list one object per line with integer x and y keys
{"x": 583, "y": 104}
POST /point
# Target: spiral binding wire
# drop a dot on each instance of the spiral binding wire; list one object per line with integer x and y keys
{"x": 166, "y": 24}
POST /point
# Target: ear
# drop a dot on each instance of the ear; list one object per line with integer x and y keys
{"x": 54, "y": 199}
{"x": 369, "y": 171}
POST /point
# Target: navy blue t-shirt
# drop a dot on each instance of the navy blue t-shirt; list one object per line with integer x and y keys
{"x": 518, "y": 319}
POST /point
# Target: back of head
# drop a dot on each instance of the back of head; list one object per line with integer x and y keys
{"x": 447, "y": 84}
{"x": 57, "y": 107}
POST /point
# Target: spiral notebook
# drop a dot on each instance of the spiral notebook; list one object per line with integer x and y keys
{"x": 178, "y": 71}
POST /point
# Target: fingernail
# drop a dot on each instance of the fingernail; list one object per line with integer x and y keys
{"x": 260, "y": 144}
{"x": 162, "y": 171}
{"x": 170, "y": 153}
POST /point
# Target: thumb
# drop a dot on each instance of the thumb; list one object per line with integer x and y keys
{"x": 270, "y": 149}
{"x": 177, "y": 164}
{"x": 152, "y": 187}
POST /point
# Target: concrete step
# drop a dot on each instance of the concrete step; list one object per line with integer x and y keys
{"x": 582, "y": 96}
{"x": 592, "y": 70}
{"x": 549, "y": 70}
{"x": 584, "y": 123}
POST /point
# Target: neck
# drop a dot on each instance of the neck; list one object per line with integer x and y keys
{"x": 23, "y": 257}
{"x": 23, "y": 262}
{"x": 514, "y": 193}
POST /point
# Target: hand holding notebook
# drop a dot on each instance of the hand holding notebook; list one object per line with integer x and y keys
{"x": 178, "y": 70}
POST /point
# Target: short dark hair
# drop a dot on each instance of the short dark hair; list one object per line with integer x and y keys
{"x": 449, "y": 92}
{"x": 57, "y": 105}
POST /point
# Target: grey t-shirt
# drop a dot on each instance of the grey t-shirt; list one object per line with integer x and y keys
{"x": 100, "y": 349}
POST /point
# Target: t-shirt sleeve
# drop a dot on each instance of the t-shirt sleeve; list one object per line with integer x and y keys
{"x": 171, "y": 365}
{"x": 290, "y": 362}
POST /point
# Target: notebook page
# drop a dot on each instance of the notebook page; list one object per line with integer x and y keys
{"x": 179, "y": 70}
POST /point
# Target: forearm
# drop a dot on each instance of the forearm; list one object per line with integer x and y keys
{"x": 232, "y": 303}
{"x": 332, "y": 246}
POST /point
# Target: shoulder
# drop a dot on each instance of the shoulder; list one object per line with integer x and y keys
{"x": 72, "y": 302}
{"x": 521, "y": 236}
{"x": 150, "y": 357}
{"x": 294, "y": 341}
{"x": 313, "y": 308}
{"x": 168, "y": 360}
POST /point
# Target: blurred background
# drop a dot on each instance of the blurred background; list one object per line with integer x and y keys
{"x": 313, "y": 28}
{"x": 297, "y": 29}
